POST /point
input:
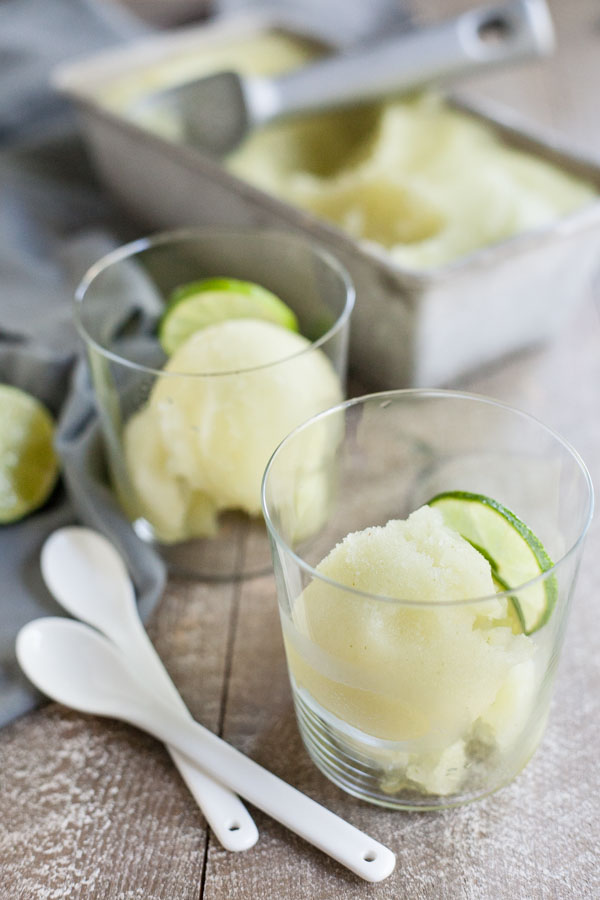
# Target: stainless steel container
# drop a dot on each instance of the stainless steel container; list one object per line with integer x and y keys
{"x": 410, "y": 328}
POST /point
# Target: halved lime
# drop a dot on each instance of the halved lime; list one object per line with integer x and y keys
{"x": 515, "y": 554}
{"x": 28, "y": 463}
{"x": 201, "y": 303}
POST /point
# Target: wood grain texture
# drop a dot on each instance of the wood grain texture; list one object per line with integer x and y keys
{"x": 94, "y": 809}
{"x": 538, "y": 837}
{"x": 91, "y": 808}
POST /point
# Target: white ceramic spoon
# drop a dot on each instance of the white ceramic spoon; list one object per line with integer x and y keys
{"x": 79, "y": 667}
{"x": 87, "y": 576}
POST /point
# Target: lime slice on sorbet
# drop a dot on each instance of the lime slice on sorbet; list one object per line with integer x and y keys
{"x": 515, "y": 554}
{"x": 28, "y": 463}
{"x": 201, "y": 303}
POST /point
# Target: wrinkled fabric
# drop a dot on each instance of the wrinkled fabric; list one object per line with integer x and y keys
{"x": 55, "y": 220}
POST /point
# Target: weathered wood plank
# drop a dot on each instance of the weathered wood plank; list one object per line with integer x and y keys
{"x": 537, "y": 838}
{"x": 94, "y": 809}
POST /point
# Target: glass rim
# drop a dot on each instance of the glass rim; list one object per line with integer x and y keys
{"x": 137, "y": 246}
{"x": 440, "y": 393}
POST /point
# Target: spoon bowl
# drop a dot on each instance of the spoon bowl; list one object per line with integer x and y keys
{"x": 88, "y": 577}
{"x": 77, "y": 667}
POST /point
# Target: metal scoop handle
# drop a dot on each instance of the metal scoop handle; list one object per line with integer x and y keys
{"x": 475, "y": 40}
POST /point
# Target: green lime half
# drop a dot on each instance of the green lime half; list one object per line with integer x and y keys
{"x": 515, "y": 554}
{"x": 201, "y": 303}
{"x": 28, "y": 463}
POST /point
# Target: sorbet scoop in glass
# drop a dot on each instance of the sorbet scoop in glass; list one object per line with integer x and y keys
{"x": 425, "y": 546}
{"x": 190, "y": 413}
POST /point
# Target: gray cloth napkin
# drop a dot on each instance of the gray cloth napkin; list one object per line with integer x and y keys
{"x": 55, "y": 220}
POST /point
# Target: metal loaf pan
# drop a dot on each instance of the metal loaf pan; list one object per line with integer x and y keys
{"x": 410, "y": 328}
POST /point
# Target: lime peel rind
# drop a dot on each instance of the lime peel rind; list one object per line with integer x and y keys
{"x": 28, "y": 463}
{"x": 531, "y": 616}
{"x": 199, "y": 304}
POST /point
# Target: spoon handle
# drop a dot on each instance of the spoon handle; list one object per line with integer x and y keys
{"x": 225, "y": 813}
{"x": 319, "y": 826}
{"x": 227, "y": 816}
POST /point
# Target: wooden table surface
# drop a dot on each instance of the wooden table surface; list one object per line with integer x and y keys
{"x": 90, "y": 808}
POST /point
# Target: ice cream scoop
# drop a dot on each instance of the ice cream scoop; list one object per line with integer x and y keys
{"x": 219, "y": 110}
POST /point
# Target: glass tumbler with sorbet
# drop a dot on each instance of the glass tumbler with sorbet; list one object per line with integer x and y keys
{"x": 206, "y": 347}
{"x": 425, "y": 546}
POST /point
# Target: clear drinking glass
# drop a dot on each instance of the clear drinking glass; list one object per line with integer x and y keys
{"x": 426, "y": 703}
{"x": 186, "y": 452}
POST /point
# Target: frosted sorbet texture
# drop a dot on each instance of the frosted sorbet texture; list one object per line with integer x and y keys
{"x": 229, "y": 395}
{"x": 437, "y": 679}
